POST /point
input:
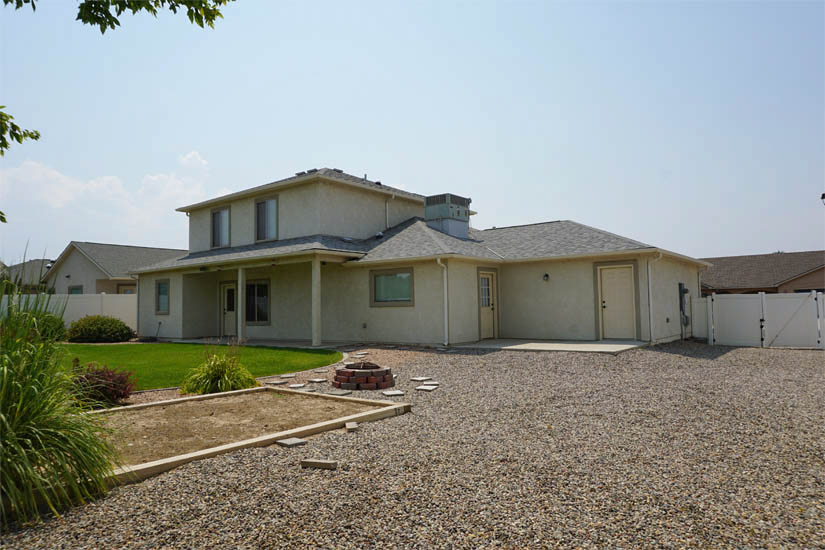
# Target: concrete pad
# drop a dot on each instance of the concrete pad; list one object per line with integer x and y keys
{"x": 351, "y": 426}
{"x": 339, "y": 393}
{"x": 393, "y": 393}
{"x": 287, "y": 376}
{"x": 317, "y": 380}
{"x": 296, "y": 386}
{"x": 322, "y": 464}
{"x": 420, "y": 378}
{"x": 594, "y": 346}
{"x": 291, "y": 442}
{"x": 426, "y": 388}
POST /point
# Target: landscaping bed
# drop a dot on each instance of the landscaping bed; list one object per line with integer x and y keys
{"x": 163, "y": 431}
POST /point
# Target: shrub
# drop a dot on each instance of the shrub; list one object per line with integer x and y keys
{"x": 51, "y": 327}
{"x": 102, "y": 386}
{"x": 218, "y": 373}
{"x": 51, "y": 454}
{"x": 99, "y": 328}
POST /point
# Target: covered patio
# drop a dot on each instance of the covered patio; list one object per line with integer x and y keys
{"x": 593, "y": 346}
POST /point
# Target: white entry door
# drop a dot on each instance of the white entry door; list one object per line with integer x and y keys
{"x": 618, "y": 302}
{"x": 487, "y": 304}
{"x": 229, "y": 320}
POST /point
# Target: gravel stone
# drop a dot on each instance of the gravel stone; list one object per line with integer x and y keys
{"x": 681, "y": 445}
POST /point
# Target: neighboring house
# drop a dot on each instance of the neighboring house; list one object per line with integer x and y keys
{"x": 96, "y": 268}
{"x": 328, "y": 256}
{"x": 777, "y": 272}
{"x": 27, "y": 274}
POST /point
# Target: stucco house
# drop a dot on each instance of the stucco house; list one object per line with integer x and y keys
{"x": 97, "y": 268}
{"x": 769, "y": 273}
{"x": 327, "y": 256}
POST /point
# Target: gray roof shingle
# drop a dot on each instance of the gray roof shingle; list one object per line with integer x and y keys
{"x": 118, "y": 260}
{"x": 29, "y": 272}
{"x": 760, "y": 270}
{"x": 415, "y": 239}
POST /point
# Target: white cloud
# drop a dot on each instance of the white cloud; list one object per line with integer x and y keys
{"x": 47, "y": 208}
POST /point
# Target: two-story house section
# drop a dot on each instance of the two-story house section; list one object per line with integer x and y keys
{"x": 327, "y": 256}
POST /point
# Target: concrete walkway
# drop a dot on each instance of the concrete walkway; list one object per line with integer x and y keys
{"x": 596, "y": 346}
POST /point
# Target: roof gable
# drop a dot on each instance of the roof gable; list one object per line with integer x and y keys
{"x": 316, "y": 174}
{"x": 117, "y": 260}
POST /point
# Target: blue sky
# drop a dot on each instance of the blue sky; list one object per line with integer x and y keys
{"x": 697, "y": 127}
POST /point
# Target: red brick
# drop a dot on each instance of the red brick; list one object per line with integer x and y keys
{"x": 375, "y": 379}
{"x": 381, "y": 372}
{"x": 366, "y": 386}
{"x": 383, "y": 385}
{"x": 339, "y": 378}
{"x": 336, "y": 384}
{"x": 344, "y": 372}
{"x": 388, "y": 378}
{"x": 348, "y": 386}
{"x": 358, "y": 379}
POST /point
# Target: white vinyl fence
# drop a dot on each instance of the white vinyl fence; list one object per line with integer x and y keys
{"x": 761, "y": 320}
{"x": 121, "y": 306}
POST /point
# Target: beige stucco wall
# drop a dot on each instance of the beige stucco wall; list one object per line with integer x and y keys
{"x": 813, "y": 280}
{"x": 667, "y": 273}
{"x": 564, "y": 307}
{"x": 200, "y": 315}
{"x": 463, "y": 291}
{"x": 171, "y": 324}
{"x": 81, "y": 272}
{"x": 310, "y": 209}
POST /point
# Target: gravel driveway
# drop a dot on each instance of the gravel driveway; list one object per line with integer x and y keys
{"x": 681, "y": 445}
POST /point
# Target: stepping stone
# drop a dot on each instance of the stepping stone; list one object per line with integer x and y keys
{"x": 393, "y": 393}
{"x": 394, "y": 376}
{"x": 287, "y": 376}
{"x": 362, "y": 354}
{"x": 431, "y": 383}
{"x": 308, "y": 390}
{"x": 291, "y": 442}
{"x": 317, "y": 380}
{"x": 339, "y": 393}
{"x": 420, "y": 378}
{"x": 277, "y": 382}
{"x": 296, "y": 386}
{"x": 322, "y": 464}
{"x": 351, "y": 426}
{"x": 321, "y": 370}
{"x": 346, "y": 363}
{"x": 426, "y": 388}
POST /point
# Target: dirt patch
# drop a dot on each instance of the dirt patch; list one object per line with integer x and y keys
{"x": 150, "y": 434}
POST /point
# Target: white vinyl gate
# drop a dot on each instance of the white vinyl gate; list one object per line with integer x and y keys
{"x": 761, "y": 320}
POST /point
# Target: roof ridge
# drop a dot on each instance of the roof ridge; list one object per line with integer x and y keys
{"x": 765, "y": 254}
{"x": 128, "y": 245}
{"x": 521, "y": 225}
{"x": 435, "y": 238}
{"x": 611, "y": 234}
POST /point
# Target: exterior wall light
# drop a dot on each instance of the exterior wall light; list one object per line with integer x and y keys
{"x": 546, "y": 277}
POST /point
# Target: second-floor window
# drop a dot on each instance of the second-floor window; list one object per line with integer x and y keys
{"x": 266, "y": 219}
{"x": 220, "y": 228}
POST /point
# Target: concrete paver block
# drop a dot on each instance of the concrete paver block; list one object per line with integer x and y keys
{"x": 287, "y": 376}
{"x": 296, "y": 386}
{"x": 426, "y": 388}
{"x": 291, "y": 442}
{"x": 393, "y": 393}
{"x": 339, "y": 393}
{"x": 277, "y": 382}
{"x": 322, "y": 464}
{"x": 351, "y": 426}
{"x": 317, "y": 380}
{"x": 421, "y": 378}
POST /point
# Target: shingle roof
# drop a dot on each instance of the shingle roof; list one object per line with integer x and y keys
{"x": 332, "y": 174}
{"x": 118, "y": 260}
{"x": 760, "y": 270}
{"x": 415, "y": 239}
{"x": 29, "y": 272}
{"x": 553, "y": 239}
{"x": 312, "y": 243}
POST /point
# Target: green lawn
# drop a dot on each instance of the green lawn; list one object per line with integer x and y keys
{"x": 165, "y": 365}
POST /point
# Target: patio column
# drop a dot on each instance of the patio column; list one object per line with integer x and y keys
{"x": 240, "y": 303}
{"x": 316, "y": 301}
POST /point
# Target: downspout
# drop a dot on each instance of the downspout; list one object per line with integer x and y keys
{"x": 650, "y": 296}
{"x": 446, "y": 302}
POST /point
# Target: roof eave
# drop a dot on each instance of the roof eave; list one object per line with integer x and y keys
{"x": 265, "y": 257}
{"x": 298, "y": 180}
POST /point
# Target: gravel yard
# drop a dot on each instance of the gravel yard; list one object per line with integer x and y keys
{"x": 681, "y": 445}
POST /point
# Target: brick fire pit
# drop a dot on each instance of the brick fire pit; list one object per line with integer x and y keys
{"x": 363, "y": 376}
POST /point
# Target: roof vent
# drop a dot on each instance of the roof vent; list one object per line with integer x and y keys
{"x": 338, "y": 170}
{"x": 379, "y": 235}
{"x": 312, "y": 170}
{"x": 300, "y": 173}
{"x": 449, "y": 214}
{"x": 377, "y": 183}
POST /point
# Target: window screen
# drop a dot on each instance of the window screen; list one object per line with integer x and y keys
{"x": 257, "y": 302}
{"x": 266, "y": 220}
{"x": 162, "y": 294}
{"x": 394, "y": 287}
{"x": 220, "y": 228}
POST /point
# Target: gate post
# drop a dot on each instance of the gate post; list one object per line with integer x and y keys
{"x": 762, "y": 320}
{"x": 711, "y": 339}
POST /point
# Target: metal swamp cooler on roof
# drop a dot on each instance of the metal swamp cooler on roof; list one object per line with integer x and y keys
{"x": 449, "y": 214}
